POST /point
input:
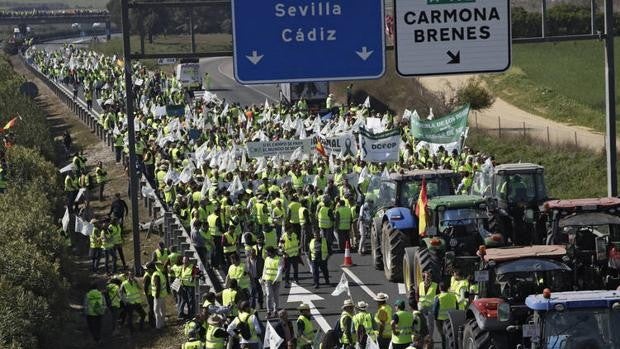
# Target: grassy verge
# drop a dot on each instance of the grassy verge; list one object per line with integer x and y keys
{"x": 167, "y": 44}
{"x": 569, "y": 172}
{"x": 560, "y": 81}
{"x": 53, "y": 3}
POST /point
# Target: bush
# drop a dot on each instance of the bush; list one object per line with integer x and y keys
{"x": 474, "y": 94}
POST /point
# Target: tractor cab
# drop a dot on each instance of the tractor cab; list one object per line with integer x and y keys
{"x": 394, "y": 226}
{"x": 590, "y": 230}
{"x": 504, "y": 279}
{"x": 518, "y": 190}
{"x": 583, "y": 319}
{"x": 462, "y": 221}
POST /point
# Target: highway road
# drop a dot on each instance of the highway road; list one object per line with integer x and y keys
{"x": 364, "y": 281}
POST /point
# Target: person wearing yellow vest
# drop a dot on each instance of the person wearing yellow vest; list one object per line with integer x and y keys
{"x": 292, "y": 214}
{"x": 231, "y": 296}
{"x": 94, "y": 308}
{"x": 459, "y": 286}
{"x": 193, "y": 342}
{"x": 95, "y": 246}
{"x": 113, "y": 299}
{"x": 71, "y": 189}
{"x": 444, "y": 302}
{"x": 161, "y": 254}
{"x": 277, "y": 216}
{"x": 197, "y": 325}
{"x": 216, "y": 336}
{"x": 305, "y": 328}
{"x": 109, "y": 252}
{"x": 117, "y": 237}
{"x": 146, "y": 282}
{"x": 343, "y": 221}
{"x": 237, "y": 271}
{"x": 272, "y": 275}
{"x": 363, "y": 324}
{"x": 289, "y": 244}
{"x": 130, "y": 292}
{"x": 101, "y": 176}
{"x": 187, "y": 290}
{"x": 305, "y": 227}
{"x": 246, "y": 325}
{"x": 383, "y": 316}
{"x": 420, "y": 328}
{"x": 214, "y": 224}
{"x": 319, "y": 253}
{"x": 402, "y": 326}
{"x": 159, "y": 291}
{"x": 427, "y": 290}
{"x": 347, "y": 337}
{"x": 229, "y": 246}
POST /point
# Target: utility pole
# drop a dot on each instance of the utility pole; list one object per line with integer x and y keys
{"x": 610, "y": 101}
{"x": 133, "y": 176}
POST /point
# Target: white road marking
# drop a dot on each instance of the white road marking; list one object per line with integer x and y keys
{"x": 298, "y": 294}
{"x": 359, "y": 282}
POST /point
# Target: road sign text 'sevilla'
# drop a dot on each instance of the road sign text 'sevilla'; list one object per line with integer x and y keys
{"x": 314, "y": 9}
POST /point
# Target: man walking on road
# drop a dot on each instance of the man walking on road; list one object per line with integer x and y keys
{"x": 444, "y": 302}
{"x": 402, "y": 326}
{"x": 427, "y": 290}
{"x": 159, "y": 291}
{"x": 119, "y": 209}
{"x": 272, "y": 274}
{"x": 319, "y": 252}
{"x": 94, "y": 308}
{"x": 382, "y": 320}
{"x": 130, "y": 294}
{"x": 347, "y": 338}
{"x": 305, "y": 328}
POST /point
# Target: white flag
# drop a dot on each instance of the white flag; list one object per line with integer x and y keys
{"x": 272, "y": 340}
{"x": 65, "y": 220}
{"x": 342, "y": 286}
{"x": 79, "y": 195}
{"x": 367, "y": 102}
{"x": 67, "y": 168}
{"x": 79, "y": 223}
{"x": 371, "y": 344}
{"x": 206, "y": 185}
{"x": 87, "y": 228}
{"x": 431, "y": 116}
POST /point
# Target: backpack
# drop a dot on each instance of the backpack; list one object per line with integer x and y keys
{"x": 244, "y": 329}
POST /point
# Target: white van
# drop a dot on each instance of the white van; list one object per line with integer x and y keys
{"x": 188, "y": 75}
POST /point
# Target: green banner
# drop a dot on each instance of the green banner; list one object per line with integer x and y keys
{"x": 446, "y": 129}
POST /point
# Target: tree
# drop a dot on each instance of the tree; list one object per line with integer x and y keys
{"x": 474, "y": 94}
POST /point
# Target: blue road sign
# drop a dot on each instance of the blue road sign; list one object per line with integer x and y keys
{"x": 307, "y": 40}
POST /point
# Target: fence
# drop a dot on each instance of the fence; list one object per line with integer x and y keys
{"x": 174, "y": 232}
{"x": 545, "y": 132}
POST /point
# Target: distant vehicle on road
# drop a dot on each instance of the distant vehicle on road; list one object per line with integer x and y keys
{"x": 188, "y": 74}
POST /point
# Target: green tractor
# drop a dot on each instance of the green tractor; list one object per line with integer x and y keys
{"x": 457, "y": 226}
{"x": 518, "y": 192}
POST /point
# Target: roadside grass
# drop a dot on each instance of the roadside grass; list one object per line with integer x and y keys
{"x": 561, "y": 81}
{"x": 570, "y": 172}
{"x": 167, "y": 44}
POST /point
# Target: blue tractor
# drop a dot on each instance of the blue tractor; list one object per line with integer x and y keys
{"x": 394, "y": 226}
{"x": 577, "y": 319}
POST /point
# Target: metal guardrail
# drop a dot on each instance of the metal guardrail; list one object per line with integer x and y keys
{"x": 174, "y": 232}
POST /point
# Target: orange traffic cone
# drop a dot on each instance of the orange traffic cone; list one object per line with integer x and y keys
{"x": 348, "y": 261}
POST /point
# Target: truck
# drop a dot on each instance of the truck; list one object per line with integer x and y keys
{"x": 590, "y": 230}
{"x": 188, "y": 74}
{"x": 456, "y": 226}
{"x": 577, "y": 319}
{"x": 315, "y": 93}
{"x": 518, "y": 192}
{"x": 394, "y": 226}
{"x": 505, "y": 277}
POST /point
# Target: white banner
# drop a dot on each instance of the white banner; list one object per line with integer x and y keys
{"x": 283, "y": 148}
{"x": 380, "y": 147}
{"x": 340, "y": 145}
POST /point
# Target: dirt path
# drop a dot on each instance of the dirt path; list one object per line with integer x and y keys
{"x": 61, "y": 118}
{"x": 504, "y": 118}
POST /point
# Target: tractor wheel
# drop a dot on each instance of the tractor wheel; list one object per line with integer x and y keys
{"x": 375, "y": 246}
{"x": 425, "y": 261}
{"x": 475, "y": 338}
{"x": 394, "y": 243}
{"x": 409, "y": 268}
{"x": 451, "y": 341}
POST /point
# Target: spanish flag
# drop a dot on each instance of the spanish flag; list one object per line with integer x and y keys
{"x": 10, "y": 124}
{"x": 420, "y": 209}
{"x": 320, "y": 149}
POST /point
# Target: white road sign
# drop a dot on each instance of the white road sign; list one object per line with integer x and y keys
{"x": 435, "y": 37}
